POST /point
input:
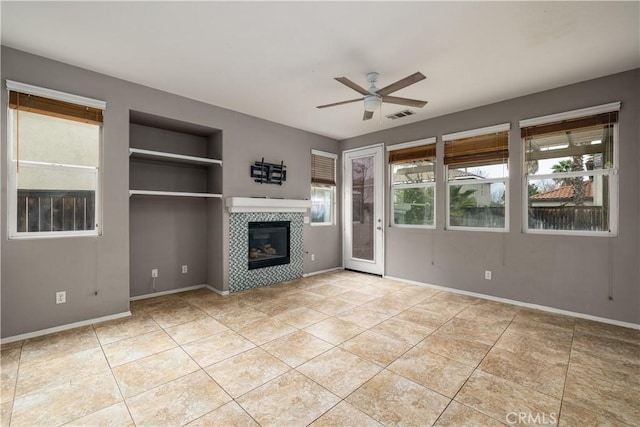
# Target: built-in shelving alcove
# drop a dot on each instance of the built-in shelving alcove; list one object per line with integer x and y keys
{"x": 175, "y": 206}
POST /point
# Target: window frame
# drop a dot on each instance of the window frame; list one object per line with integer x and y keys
{"x": 12, "y": 165}
{"x": 504, "y": 127}
{"x": 611, "y": 173}
{"x": 332, "y": 194}
{"x": 392, "y": 186}
{"x": 331, "y": 187}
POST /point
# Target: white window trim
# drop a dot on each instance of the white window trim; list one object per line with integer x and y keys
{"x": 416, "y": 185}
{"x": 333, "y": 207}
{"x": 12, "y": 188}
{"x": 505, "y": 229}
{"x": 55, "y": 94}
{"x": 570, "y": 115}
{"x": 411, "y": 144}
{"x": 504, "y": 127}
{"x": 333, "y": 156}
{"x": 612, "y": 173}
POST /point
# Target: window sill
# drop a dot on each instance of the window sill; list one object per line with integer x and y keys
{"x": 414, "y": 226}
{"x": 52, "y": 235}
{"x": 569, "y": 233}
{"x": 476, "y": 229}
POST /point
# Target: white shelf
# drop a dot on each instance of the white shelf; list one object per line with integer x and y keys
{"x": 173, "y": 194}
{"x": 139, "y": 153}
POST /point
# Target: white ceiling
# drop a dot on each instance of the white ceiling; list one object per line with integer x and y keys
{"x": 277, "y": 60}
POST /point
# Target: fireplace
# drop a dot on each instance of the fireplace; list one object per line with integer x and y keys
{"x": 247, "y": 210}
{"x": 269, "y": 243}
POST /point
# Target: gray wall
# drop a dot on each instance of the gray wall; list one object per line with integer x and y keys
{"x": 166, "y": 233}
{"x": 33, "y": 270}
{"x": 279, "y": 143}
{"x": 565, "y": 272}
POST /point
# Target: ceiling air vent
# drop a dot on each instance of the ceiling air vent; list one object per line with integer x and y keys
{"x": 400, "y": 114}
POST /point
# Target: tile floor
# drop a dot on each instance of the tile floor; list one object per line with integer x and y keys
{"x": 338, "y": 349}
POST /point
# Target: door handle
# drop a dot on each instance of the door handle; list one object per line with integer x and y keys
{"x": 379, "y": 227}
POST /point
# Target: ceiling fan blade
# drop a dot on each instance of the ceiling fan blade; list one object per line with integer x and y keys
{"x": 404, "y": 101}
{"x": 402, "y": 83}
{"x": 339, "y": 103}
{"x": 345, "y": 81}
{"x": 367, "y": 115}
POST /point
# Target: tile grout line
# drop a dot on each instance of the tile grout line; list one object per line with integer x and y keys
{"x": 15, "y": 388}
{"x": 383, "y": 367}
{"x": 273, "y": 297}
{"x": 126, "y": 405}
{"x": 334, "y": 346}
{"x": 566, "y": 374}
{"x": 178, "y": 345}
{"x": 451, "y": 399}
{"x": 474, "y": 371}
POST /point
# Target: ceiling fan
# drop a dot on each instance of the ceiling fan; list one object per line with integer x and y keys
{"x": 374, "y": 96}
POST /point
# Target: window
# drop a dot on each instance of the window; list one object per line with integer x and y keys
{"x": 477, "y": 168}
{"x": 413, "y": 180}
{"x": 323, "y": 187}
{"x": 54, "y": 143}
{"x": 570, "y": 175}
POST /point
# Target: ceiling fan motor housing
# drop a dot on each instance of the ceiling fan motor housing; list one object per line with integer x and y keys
{"x": 372, "y": 102}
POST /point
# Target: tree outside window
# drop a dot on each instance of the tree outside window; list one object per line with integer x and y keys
{"x": 571, "y": 187}
{"x": 413, "y": 184}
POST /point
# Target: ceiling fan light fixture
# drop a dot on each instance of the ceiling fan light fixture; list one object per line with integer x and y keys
{"x": 372, "y": 102}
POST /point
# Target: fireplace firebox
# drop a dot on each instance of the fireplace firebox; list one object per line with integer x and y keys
{"x": 269, "y": 244}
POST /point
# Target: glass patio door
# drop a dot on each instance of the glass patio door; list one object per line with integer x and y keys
{"x": 363, "y": 209}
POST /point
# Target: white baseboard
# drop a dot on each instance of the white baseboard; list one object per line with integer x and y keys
{"x": 169, "y": 292}
{"x": 314, "y": 273}
{"x": 520, "y": 303}
{"x": 63, "y": 327}
{"x": 217, "y": 291}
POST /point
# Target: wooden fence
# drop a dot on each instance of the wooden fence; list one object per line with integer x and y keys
{"x": 585, "y": 218}
{"x": 51, "y": 210}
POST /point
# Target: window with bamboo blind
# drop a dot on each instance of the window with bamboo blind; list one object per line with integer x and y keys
{"x": 413, "y": 183}
{"x": 570, "y": 171}
{"x": 477, "y": 178}
{"x": 323, "y": 187}
{"x": 54, "y": 163}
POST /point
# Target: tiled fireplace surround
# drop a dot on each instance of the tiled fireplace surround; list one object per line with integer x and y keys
{"x": 243, "y": 210}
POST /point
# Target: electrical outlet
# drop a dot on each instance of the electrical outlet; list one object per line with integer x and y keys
{"x": 185, "y": 269}
{"x": 487, "y": 275}
{"x": 61, "y": 297}
{"x": 313, "y": 257}
{"x": 154, "y": 273}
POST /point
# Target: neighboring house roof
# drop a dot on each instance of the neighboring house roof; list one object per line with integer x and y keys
{"x": 461, "y": 175}
{"x": 564, "y": 193}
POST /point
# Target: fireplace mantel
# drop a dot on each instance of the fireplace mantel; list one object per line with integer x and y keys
{"x": 260, "y": 204}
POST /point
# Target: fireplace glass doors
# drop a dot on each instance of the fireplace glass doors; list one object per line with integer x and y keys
{"x": 269, "y": 244}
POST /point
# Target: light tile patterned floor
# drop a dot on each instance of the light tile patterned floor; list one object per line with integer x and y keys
{"x": 338, "y": 349}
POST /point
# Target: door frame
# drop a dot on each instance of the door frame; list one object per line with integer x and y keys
{"x": 378, "y": 265}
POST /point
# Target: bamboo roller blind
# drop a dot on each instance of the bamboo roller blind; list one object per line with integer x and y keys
{"x": 485, "y": 149}
{"x": 568, "y": 125}
{"x": 54, "y": 108}
{"x": 323, "y": 169}
{"x": 413, "y": 154}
